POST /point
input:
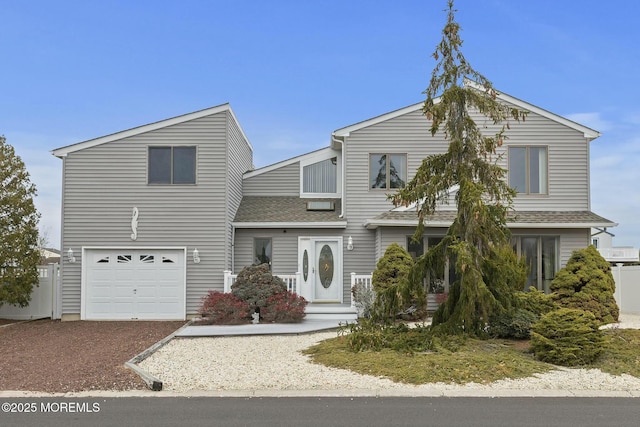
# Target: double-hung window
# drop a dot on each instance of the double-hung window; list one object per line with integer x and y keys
{"x": 528, "y": 169}
{"x": 387, "y": 171}
{"x": 172, "y": 165}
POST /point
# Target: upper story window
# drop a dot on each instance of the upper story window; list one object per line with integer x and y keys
{"x": 320, "y": 177}
{"x": 387, "y": 171}
{"x": 172, "y": 165}
{"x": 528, "y": 169}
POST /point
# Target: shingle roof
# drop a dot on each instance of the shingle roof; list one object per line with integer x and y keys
{"x": 519, "y": 219}
{"x": 280, "y": 209}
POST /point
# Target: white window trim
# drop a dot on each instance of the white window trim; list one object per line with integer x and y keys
{"x": 318, "y": 157}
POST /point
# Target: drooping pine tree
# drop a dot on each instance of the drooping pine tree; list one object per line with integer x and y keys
{"x": 455, "y": 94}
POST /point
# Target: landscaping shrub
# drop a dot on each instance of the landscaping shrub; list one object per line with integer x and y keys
{"x": 586, "y": 283}
{"x": 567, "y": 337}
{"x": 370, "y": 335}
{"x": 515, "y": 324}
{"x": 285, "y": 307}
{"x": 536, "y": 301}
{"x": 395, "y": 295}
{"x": 255, "y": 284}
{"x": 363, "y": 297}
{"x": 219, "y": 308}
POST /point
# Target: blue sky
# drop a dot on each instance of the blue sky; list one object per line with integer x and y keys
{"x": 294, "y": 71}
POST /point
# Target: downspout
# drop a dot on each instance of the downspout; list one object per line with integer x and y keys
{"x": 342, "y": 168}
{"x": 233, "y": 248}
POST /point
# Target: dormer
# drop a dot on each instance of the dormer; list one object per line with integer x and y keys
{"x": 321, "y": 174}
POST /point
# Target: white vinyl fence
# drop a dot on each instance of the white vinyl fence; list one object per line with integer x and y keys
{"x": 43, "y": 297}
{"x": 627, "y": 294}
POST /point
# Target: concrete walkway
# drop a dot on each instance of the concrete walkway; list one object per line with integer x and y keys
{"x": 306, "y": 326}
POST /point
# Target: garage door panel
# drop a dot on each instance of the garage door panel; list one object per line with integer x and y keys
{"x": 135, "y": 284}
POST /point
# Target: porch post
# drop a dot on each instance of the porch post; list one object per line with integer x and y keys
{"x": 353, "y": 283}
{"x": 227, "y": 281}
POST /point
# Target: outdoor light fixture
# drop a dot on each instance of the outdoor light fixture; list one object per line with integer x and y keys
{"x": 350, "y": 243}
{"x": 70, "y": 256}
{"x": 196, "y": 256}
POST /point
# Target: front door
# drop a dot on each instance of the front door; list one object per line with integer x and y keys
{"x": 320, "y": 262}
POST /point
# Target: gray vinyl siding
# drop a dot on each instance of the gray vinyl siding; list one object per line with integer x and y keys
{"x": 103, "y": 183}
{"x": 568, "y": 177}
{"x": 239, "y": 161}
{"x": 285, "y": 250}
{"x": 284, "y": 181}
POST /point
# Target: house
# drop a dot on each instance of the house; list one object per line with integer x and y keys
{"x": 602, "y": 239}
{"x": 49, "y": 256}
{"x": 158, "y": 215}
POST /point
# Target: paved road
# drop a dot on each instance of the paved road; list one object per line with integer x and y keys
{"x": 308, "y": 411}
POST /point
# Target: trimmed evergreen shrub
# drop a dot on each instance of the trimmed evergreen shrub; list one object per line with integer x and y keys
{"x": 513, "y": 325}
{"x": 255, "y": 284}
{"x": 285, "y": 307}
{"x": 219, "y": 308}
{"x": 393, "y": 268}
{"x": 395, "y": 297}
{"x": 536, "y": 301}
{"x": 567, "y": 337}
{"x": 586, "y": 283}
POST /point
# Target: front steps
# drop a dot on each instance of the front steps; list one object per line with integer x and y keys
{"x": 341, "y": 312}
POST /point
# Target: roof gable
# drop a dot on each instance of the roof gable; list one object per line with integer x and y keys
{"x": 63, "y": 151}
{"x": 588, "y": 132}
{"x": 297, "y": 159}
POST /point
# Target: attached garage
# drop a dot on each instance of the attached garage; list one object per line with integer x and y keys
{"x": 133, "y": 284}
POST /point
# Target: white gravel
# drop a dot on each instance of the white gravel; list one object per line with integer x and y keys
{"x": 252, "y": 363}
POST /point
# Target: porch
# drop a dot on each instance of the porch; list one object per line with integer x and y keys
{"x": 323, "y": 311}
{"x": 345, "y": 312}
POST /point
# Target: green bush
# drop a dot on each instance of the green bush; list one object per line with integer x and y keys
{"x": 255, "y": 284}
{"x": 513, "y": 325}
{"x": 395, "y": 295}
{"x": 285, "y": 307}
{"x": 223, "y": 309}
{"x": 368, "y": 335}
{"x": 363, "y": 297}
{"x": 536, "y": 301}
{"x": 567, "y": 337}
{"x": 586, "y": 283}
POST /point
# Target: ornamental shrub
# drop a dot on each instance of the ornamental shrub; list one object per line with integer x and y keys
{"x": 219, "y": 308}
{"x": 364, "y": 297}
{"x": 586, "y": 283}
{"x": 255, "y": 284}
{"x": 567, "y": 337}
{"x": 515, "y": 324}
{"x": 536, "y": 301}
{"x": 285, "y": 307}
{"x": 395, "y": 296}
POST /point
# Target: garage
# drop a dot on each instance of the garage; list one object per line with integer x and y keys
{"x": 133, "y": 284}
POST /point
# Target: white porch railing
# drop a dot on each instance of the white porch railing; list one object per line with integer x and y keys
{"x": 359, "y": 279}
{"x": 290, "y": 280}
{"x": 620, "y": 254}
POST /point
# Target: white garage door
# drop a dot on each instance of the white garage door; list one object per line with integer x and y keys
{"x": 124, "y": 284}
